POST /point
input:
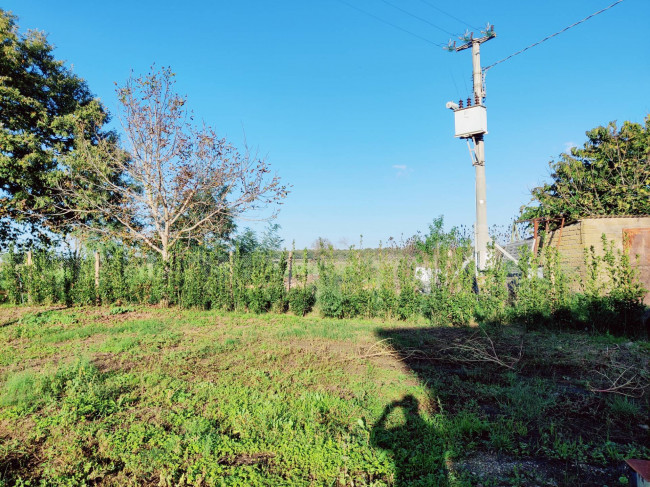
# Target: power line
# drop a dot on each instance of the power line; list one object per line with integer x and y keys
{"x": 449, "y": 15}
{"x": 390, "y": 23}
{"x": 418, "y": 18}
{"x": 553, "y": 35}
{"x": 451, "y": 75}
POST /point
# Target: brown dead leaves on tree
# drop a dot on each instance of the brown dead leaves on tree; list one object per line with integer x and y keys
{"x": 172, "y": 181}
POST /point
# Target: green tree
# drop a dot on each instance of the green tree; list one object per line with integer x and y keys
{"x": 609, "y": 175}
{"x": 41, "y": 104}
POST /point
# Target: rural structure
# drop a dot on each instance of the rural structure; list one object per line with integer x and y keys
{"x": 629, "y": 233}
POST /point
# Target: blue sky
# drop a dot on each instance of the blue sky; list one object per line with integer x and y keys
{"x": 351, "y": 111}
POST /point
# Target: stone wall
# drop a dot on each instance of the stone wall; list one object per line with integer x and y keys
{"x": 569, "y": 242}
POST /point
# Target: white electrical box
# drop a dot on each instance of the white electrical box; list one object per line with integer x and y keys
{"x": 470, "y": 121}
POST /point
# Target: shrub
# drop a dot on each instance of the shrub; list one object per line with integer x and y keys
{"x": 540, "y": 290}
{"x": 330, "y": 302}
{"x": 12, "y": 284}
{"x": 302, "y": 300}
{"x": 365, "y": 282}
{"x": 441, "y": 307}
{"x": 613, "y": 295}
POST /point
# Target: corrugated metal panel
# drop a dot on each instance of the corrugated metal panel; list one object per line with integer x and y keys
{"x": 514, "y": 248}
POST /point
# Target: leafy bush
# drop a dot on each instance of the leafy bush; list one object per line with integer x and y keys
{"x": 12, "y": 284}
{"x": 613, "y": 296}
{"x": 330, "y": 302}
{"x": 441, "y": 307}
{"x": 302, "y": 300}
{"x": 360, "y": 282}
{"x": 541, "y": 290}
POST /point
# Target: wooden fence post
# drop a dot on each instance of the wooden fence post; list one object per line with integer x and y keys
{"x": 97, "y": 278}
{"x": 290, "y": 269}
{"x": 232, "y": 273}
{"x": 30, "y": 276}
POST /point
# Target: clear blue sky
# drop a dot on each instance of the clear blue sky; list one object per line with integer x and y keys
{"x": 351, "y": 111}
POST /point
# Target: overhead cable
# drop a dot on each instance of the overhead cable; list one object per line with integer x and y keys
{"x": 449, "y": 15}
{"x": 418, "y": 18}
{"x": 553, "y": 35}
{"x": 379, "y": 19}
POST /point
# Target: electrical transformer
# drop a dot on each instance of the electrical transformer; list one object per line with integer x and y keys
{"x": 470, "y": 121}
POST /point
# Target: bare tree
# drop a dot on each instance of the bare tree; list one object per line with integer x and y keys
{"x": 173, "y": 180}
{"x": 322, "y": 243}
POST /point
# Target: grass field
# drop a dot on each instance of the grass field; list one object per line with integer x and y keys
{"x": 147, "y": 396}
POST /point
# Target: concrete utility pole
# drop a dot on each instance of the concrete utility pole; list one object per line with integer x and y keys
{"x": 471, "y": 124}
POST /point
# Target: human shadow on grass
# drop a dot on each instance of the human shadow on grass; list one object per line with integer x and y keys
{"x": 414, "y": 443}
{"x": 419, "y": 443}
{"x": 464, "y": 370}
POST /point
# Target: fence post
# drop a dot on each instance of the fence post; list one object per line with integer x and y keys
{"x": 232, "y": 272}
{"x": 290, "y": 269}
{"x": 97, "y": 278}
{"x": 29, "y": 276}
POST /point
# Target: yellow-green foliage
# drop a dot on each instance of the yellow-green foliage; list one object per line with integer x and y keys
{"x": 369, "y": 283}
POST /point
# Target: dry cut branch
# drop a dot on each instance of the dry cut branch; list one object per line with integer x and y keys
{"x": 481, "y": 348}
{"x": 624, "y": 380}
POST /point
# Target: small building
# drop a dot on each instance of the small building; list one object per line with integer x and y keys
{"x": 630, "y": 233}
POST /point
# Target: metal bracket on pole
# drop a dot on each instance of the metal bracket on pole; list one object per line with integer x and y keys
{"x": 472, "y": 152}
{"x": 505, "y": 253}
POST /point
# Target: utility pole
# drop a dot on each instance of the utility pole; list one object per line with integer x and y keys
{"x": 471, "y": 125}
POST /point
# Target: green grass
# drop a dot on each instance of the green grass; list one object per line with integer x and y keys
{"x": 145, "y": 396}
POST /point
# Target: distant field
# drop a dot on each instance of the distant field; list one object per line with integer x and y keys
{"x": 147, "y": 396}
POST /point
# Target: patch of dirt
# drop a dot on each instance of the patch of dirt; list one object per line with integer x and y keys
{"x": 11, "y": 315}
{"x": 109, "y": 362}
{"x": 103, "y": 315}
{"x": 16, "y": 463}
{"x": 35, "y": 364}
{"x": 23, "y": 460}
{"x": 535, "y": 471}
{"x": 247, "y": 459}
{"x": 149, "y": 414}
{"x": 16, "y": 429}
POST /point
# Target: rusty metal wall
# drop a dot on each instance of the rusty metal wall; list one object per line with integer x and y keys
{"x": 637, "y": 241}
